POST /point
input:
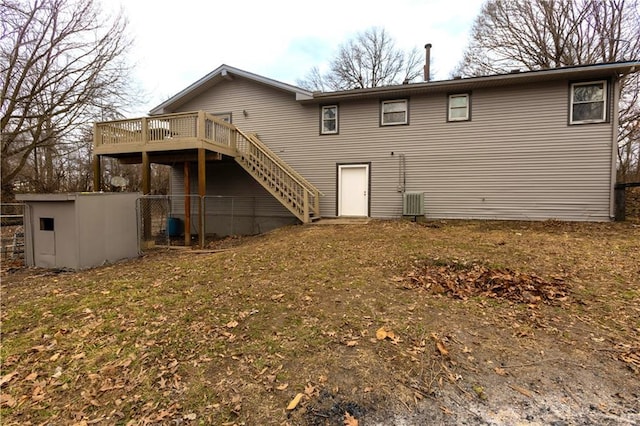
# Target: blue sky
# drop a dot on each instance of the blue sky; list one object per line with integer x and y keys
{"x": 176, "y": 43}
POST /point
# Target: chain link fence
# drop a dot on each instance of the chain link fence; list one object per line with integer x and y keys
{"x": 173, "y": 221}
{"x": 12, "y": 230}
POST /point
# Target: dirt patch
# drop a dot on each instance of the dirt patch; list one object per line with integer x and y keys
{"x": 329, "y": 409}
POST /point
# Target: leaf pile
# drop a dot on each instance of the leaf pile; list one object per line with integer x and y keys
{"x": 462, "y": 280}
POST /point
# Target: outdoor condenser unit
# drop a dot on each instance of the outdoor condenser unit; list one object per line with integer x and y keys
{"x": 413, "y": 204}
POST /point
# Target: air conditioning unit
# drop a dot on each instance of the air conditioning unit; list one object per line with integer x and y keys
{"x": 413, "y": 204}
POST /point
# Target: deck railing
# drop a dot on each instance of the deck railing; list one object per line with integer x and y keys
{"x": 274, "y": 174}
{"x": 160, "y": 128}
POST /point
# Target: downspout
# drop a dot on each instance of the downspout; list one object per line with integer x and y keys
{"x": 614, "y": 145}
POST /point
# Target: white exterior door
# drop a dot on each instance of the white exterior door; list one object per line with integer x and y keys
{"x": 353, "y": 190}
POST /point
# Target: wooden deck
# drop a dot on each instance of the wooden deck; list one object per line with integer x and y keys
{"x": 200, "y": 136}
{"x": 171, "y": 132}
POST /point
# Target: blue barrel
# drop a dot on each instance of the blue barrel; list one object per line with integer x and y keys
{"x": 174, "y": 227}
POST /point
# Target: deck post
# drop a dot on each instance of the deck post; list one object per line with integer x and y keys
{"x": 145, "y": 130}
{"x": 316, "y": 204}
{"x": 146, "y": 174}
{"x": 306, "y": 206}
{"x": 233, "y": 138}
{"x": 200, "y": 125}
{"x": 97, "y": 174}
{"x": 146, "y": 190}
{"x": 202, "y": 191}
{"x": 187, "y": 204}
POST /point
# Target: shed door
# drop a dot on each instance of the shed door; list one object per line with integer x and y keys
{"x": 353, "y": 190}
{"x": 45, "y": 242}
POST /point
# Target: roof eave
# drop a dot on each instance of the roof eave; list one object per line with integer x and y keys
{"x": 224, "y": 72}
{"x": 461, "y": 84}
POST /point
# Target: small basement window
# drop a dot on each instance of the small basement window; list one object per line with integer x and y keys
{"x": 588, "y": 102}
{"x": 458, "y": 107}
{"x": 329, "y": 120}
{"x": 394, "y": 112}
{"x": 46, "y": 224}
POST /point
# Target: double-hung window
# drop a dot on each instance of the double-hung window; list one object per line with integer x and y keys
{"x": 459, "y": 107}
{"x": 394, "y": 112}
{"x": 329, "y": 120}
{"x": 588, "y": 102}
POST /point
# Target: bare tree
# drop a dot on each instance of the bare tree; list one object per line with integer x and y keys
{"x": 371, "y": 59}
{"x": 63, "y": 64}
{"x": 541, "y": 34}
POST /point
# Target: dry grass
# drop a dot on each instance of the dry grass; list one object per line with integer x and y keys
{"x": 231, "y": 337}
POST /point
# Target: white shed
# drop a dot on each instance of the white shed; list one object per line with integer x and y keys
{"x": 79, "y": 230}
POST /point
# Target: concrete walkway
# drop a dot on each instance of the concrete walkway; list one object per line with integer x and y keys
{"x": 342, "y": 221}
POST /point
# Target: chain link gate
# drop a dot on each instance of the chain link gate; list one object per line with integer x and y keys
{"x": 12, "y": 229}
{"x": 152, "y": 213}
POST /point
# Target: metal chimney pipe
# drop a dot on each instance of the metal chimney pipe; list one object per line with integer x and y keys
{"x": 427, "y": 62}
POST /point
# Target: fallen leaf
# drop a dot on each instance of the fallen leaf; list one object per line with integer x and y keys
{"x": 54, "y": 357}
{"x": 441, "y": 348}
{"x": 57, "y": 373}
{"x": 500, "y": 371}
{"x": 352, "y": 343}
{"x": 31, "y": 377}
{"x": 7, "y": 378}
{"x": 277, "y": 296}
{"x": 37, "y": 394}
{"x": 523, "y": 391}
{"x": 231, "y": 324}
{"x": 79, "y": 356}
{"x": 295, "y": 401}
{"x": 309, "y": 389}
{"x": 8, "y": 400}
{"x": 162, "y": 414}
{"x": 190, "y": 416}
{"x": 349, "y": 420}
{"x": 445, "y": 410}
{"x": 381, "y": 333}
{"x": 479, "y": 390}
{"x": 282, "y": 386}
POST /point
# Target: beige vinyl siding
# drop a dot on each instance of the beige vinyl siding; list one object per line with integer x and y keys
{"x": 516, "y": 159}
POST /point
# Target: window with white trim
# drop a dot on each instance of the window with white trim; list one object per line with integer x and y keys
{"x": 588, "y": 102}
{"x": 394, "y": 112}
{"x": 329, "y": 120}
{"x": 458, "y": 107}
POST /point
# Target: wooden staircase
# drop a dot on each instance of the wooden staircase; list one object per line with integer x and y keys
{"x": 288, "y": 186}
